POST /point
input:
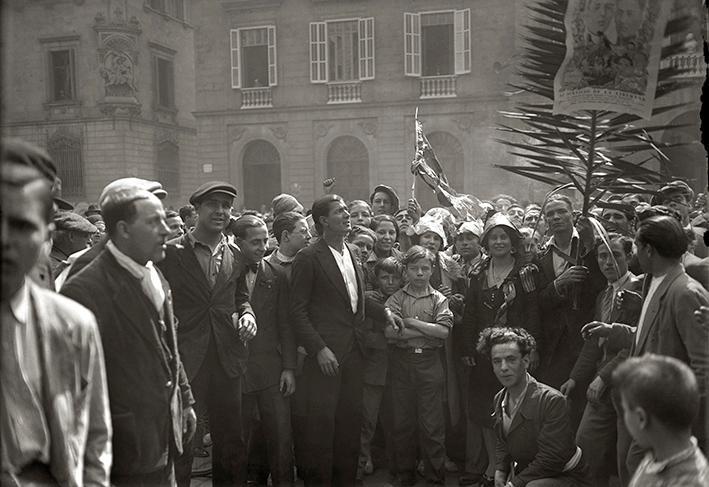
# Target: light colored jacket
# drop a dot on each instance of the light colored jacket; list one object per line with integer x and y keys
{"x": 76, "y": 402}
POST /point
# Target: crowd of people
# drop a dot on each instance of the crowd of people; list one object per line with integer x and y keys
{"x": 527, "y": 346}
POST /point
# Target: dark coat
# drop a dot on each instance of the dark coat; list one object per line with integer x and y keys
{"x": 87, "y": 257}
{"x": 273, "y": 348}
{"x": 561, "y": 324}
{"x": 602, "y": 359}
{"x": 540, "y": 439}
{"x": 204, "y": 313}
{"x": 320, "y": 305}
{"x": 147, "y": 388}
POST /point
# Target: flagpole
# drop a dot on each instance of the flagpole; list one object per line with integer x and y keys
{"x": 413, "y": 183}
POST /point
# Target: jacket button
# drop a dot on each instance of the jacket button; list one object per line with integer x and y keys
{"x": 168, "y": 384}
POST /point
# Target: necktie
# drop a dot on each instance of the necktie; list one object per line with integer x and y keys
{"x": 607, "y": 304}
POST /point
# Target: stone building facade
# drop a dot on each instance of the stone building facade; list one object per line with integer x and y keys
{"x": 107, "y": 86}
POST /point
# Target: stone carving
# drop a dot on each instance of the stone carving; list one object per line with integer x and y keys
{"x": 464, "y": 123}
{"x": 238, "y": 132}
{"x": 279, "y": 131}
{"x": 321, "y": 129}
{"x": 118, "y": 73}
{"x": 369, "y": 127}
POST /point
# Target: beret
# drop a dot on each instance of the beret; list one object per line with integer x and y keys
{"x": 383, "y": 188}
{"x": 73, "y": 222}
{"x": 283, "y": 203}
{"x": 121, "y": 195}
{"x": 133, "y": 183}
{"x": 212, "y": 187}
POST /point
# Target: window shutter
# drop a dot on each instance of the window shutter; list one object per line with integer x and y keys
{"x": 235, "y": 59}
{"x": 318, "y": 52}
{"x": 412, "y": 44}
{"x": 272, "y": 60}
{"x": 462, "y": 41}
{"x": 366, "y": 48}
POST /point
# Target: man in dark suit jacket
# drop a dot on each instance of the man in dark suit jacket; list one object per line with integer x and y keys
{"x": 567, "y": 293}
{"x": 620, "y": 302}
{"x": 215, "y": 323}
{"x": 328, "y": 309}
{"x": 535, "y": 441}
{"x": 151, "y": 401}
{"x": 666, "y": 325}
{"x": 270, "y": 371}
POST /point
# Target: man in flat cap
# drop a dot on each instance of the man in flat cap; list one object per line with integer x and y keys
{"x": 72, "y": 233}
{"x": 136, "y": 183}
{"x": 384, "y": 200}
{"x": 54, "y": 423}
{"x": 151, "y": 400}
{"x": 680, "y": 197}
{"x": 211, "y": 302}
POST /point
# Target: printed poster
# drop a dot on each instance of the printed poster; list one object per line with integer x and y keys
{"x": 613, "y": 50}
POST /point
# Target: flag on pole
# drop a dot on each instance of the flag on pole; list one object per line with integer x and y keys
{"x": 426, "y": 165}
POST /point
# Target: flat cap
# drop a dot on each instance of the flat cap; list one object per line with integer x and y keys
{"x": 285, "y": 202}
{"x": 73, "y": 222}
{"x": 675, "y": 187}
{"x": 122, "y": 195}
{"x": 133, "y": 183}
{"x": 93, "y": 209}
{"x": 212, "y": 187}
{"x": 22, "y": 152}
{"x": 383, "y": 188}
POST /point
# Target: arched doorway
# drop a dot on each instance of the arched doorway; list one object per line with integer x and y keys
{"x": 450, "y": 154}
{"x": 348, "y": 163}
{"x": 687, "y": 161}
{"x": 262, "y": 174}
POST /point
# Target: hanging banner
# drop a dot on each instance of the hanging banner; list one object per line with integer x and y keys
{"x": 613, "y": 50}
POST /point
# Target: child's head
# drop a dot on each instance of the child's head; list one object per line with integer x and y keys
{"x": 389, "y": 274}
{"x": 387, "y": 231}
{"x": 658, "y": 393}
{"x": 363, "y": 238}
{"x": 360, "y": 213}
{"x": 418, "y": 262}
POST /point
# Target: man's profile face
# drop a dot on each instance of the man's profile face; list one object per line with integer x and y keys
{"x": 598, "y": 15}
{"x": 628, "y": 17}
{"x": 24, "y": 231}
{"x": 300, "y": 236}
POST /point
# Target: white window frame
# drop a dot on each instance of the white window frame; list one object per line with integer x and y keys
{"x": 235, "y": 54}
{"x": 461, "y": 41}
{"x": 320, "y": 56}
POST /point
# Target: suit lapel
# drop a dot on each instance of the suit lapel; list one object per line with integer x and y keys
{"x": 547, "y": 263}
{"x": 332, "y": 271}
{"x": 522, "y": 412}
{"x": 188, "y": 261}
{"x": 654, "y": 306}
{"x": 225, "y": 270}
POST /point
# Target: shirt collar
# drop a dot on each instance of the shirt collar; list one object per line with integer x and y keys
{"x": 574, "y": 235}
{"x": 20, "y": 304}
{"x": 429, "y": 291}
{"x": 618, "y": 283}
{"x": 136, "y": 270}
{"x": 193, "y": 240}
{"x": 506, "y": 397}
{"x": 284, "y": 259}
{"x": 657, "y": 467}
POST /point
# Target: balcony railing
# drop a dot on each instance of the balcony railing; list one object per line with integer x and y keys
{"x": 344, "y": 92}
{"x": 437, "y": 86}
{"x": 256, "y": 97}
{"x": 694, "y": 63}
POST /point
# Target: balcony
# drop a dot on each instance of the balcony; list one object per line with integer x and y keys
{"x": 693, "y": 63}
{"x": 344, "y": 92}
{"x": 256, "y": 98}
{"x": 437, "y": 87}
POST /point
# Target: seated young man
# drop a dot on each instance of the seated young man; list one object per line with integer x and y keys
{"x": 535, "y": 443}
{"x": 660, "y": 400}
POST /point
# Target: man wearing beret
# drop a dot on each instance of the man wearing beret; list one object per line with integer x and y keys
{"x": 211, "y": 302}
{"x": 151, "y": 401}
{"x": 72, "y": 233}
{"x": 136, "y": 183}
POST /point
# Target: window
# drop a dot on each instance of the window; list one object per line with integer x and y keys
{"x": 167, "y": 166}
{"x": 66, "y": 153}
{"x": 348, "y": 162}
{"x": 262, "y": 174}
{"x": 342, "y": 50}
{"x": 61, "y": 75}
{"x": 173, "y": 8}
{"x": 437, "y": 43}
{"x": 164, "y": 83}
{"x": 253, "y": 57}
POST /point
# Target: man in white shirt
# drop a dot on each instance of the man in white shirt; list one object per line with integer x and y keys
{"x": 328, "y": 310}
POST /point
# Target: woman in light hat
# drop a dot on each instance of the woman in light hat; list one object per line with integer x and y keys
{"x": 496, "y": 297}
